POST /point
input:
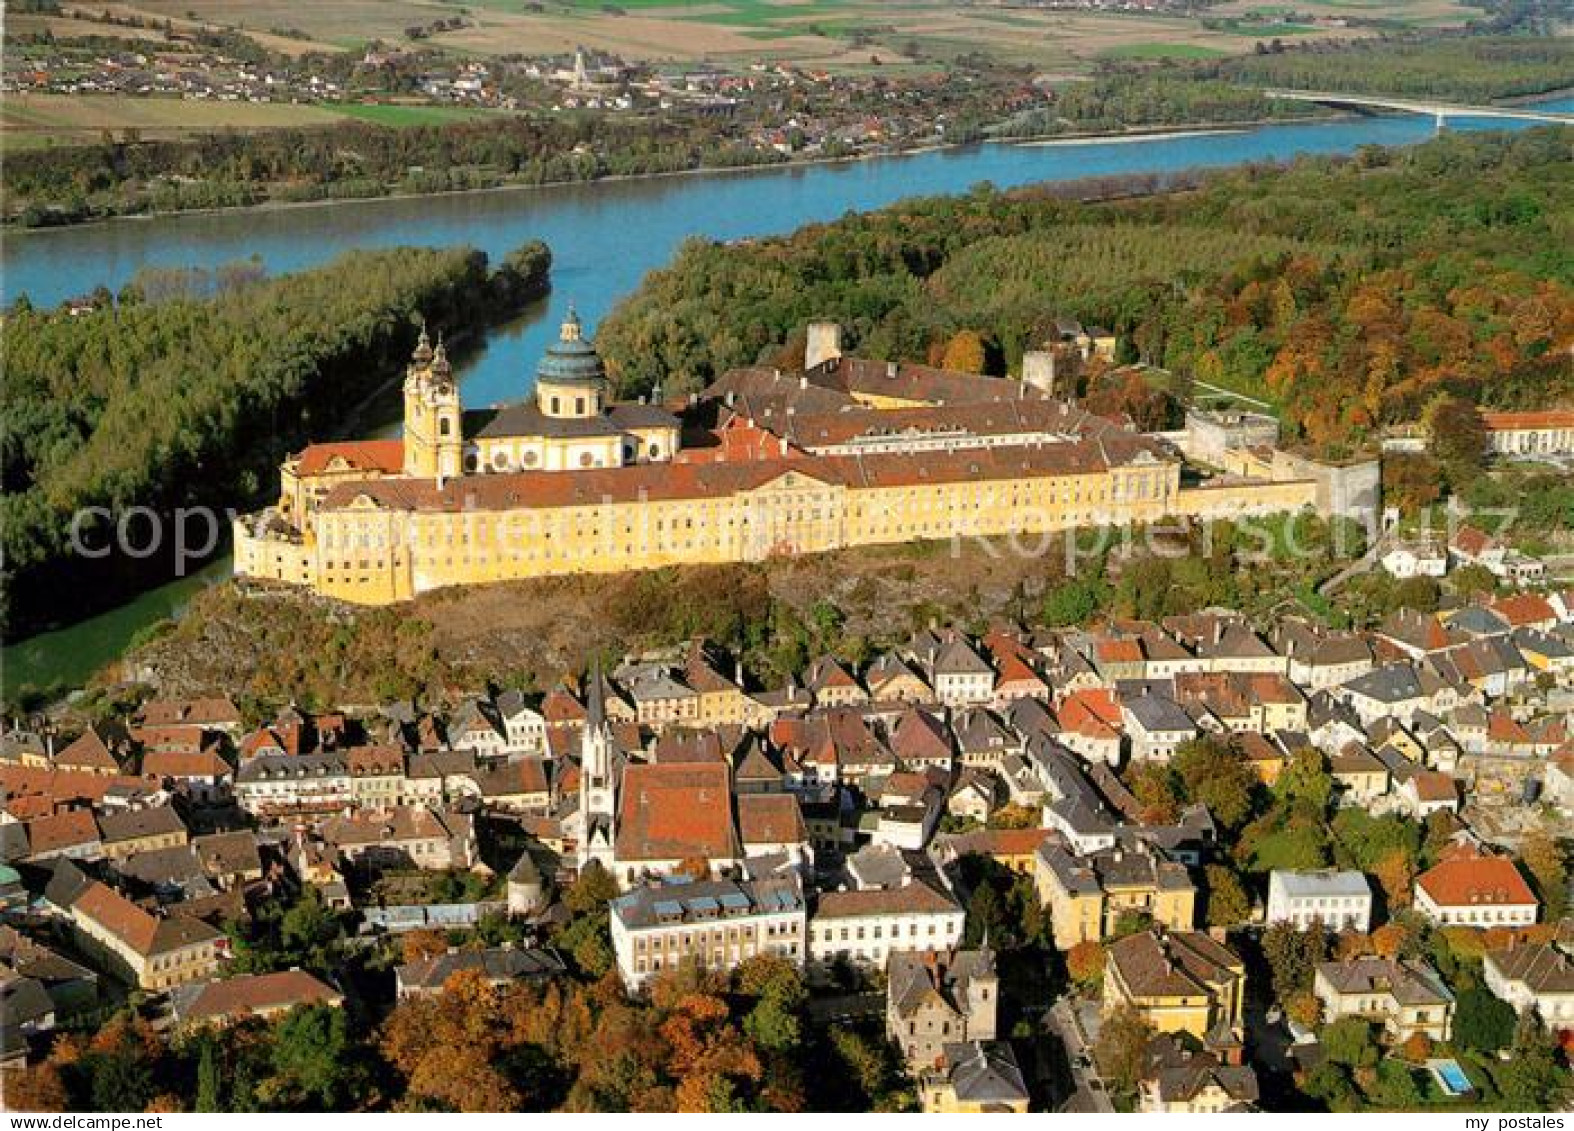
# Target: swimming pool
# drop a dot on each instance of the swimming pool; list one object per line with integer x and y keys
{"x": 1450, "y": 1076}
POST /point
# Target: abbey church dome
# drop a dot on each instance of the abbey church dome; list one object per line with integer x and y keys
{"x": 571, "y": 360}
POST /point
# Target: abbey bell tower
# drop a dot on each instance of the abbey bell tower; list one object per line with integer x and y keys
{"x": 433, "y": 441}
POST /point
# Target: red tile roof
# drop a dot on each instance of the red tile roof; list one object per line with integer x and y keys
{"x": 1524, "y": 608}
{"x": 770, "y": 818}
{"x": 1467, "y": 881}
{"x": 61, "y": 785}
{"x": 1118, "y": 651}
{"x": 231, "y": 998}
{"x": 1514, "y": 421}
{"x": 88, "y": 752}
{"x": 666, "y": 481}
{"x": 1001, "y": 842}
{"x": 385, "y": 456}
{"x": 184, "y": 764}
{"x": 217, "y": 711}
{"x": 676, "y": 812}
{"x": 146, "y": 934}
{"x": 66, "y": 829}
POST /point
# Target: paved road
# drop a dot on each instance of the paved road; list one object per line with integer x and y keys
{"x": 1089, "y": 1093}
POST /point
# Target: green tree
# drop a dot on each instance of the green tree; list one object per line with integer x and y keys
{"x": 1305, "y": 782}
{"x": 1213, "y": 774}
{"x": 1292, "y": 956}
{"x": 1072, "y": 602}
{"x": 210, "y": 1086}
{"x": 1458, "y": 438}
{"x": 1395, "y": 1086}
{"x": 1482, "y": 1021}
{"x": 315, "y": 1061}
{"x": 986, "y": 915}
{"x": 1330, "y": 1083}
{"x": 1349, "y": 1041}
{"x": 1532, "y": 1078}
{"x": 1121, "y": 1048}
{"x": 1228, "y": 904}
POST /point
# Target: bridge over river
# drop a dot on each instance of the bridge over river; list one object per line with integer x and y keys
{"x": 1441, "y": 111}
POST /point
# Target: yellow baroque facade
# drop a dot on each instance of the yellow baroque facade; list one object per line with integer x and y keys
{"x": 848, "y": 453}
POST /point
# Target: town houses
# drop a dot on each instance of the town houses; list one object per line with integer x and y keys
{"x": 841, "y": 820}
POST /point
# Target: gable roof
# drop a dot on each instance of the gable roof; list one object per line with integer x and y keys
{"x": 1469, "y": 881}
{"x": 88, "y": 752}
{"x": 146, "y": 934}
{"x": 676, "y": 811}
{"x": 225, "y": 999}
{"x": 770, "y": 818}
{"x": 384, "y": 456}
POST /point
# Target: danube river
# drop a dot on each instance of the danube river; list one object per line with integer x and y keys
{"x": 604, "y": 237}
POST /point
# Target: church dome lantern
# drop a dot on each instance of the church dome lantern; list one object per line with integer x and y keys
{"x": 570, "y": 379}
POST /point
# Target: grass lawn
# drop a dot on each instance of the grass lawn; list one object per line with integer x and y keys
{"x": 1163, "y": 51}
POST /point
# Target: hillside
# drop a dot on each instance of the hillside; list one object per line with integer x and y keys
{"x": 1347, "y": 291}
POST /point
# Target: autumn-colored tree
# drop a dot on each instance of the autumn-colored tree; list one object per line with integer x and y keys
{"x": 35, "y": 1088}
{"x": 698, "y": 1024}
{"x": 1352, "y": 944}
{"x": 964, "y": 352}
{"x": 1417, "y": 1049}
{"x": 1085, "y": 963}
{"x": 1396, "y": 872}
{"x": 1411, "y": 481}
{"x": 1156, "y": 789}
{"x": 444, "y": 1046}
{"x": 416, "y": 946}
{"x": 1304, "y": 1009}
{"x": 1390, "y": 940}
{"x": 1547, "y": 864}
{"x": 1014, "y": 817}
{"x": 1458, "y": 437}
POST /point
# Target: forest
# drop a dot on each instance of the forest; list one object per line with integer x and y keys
{"x": 1467, "y": 69}
{"x": 1349, "y": 292}
{"x": 187, "y": 388}
{"x": 69, "y": 184}
{"x": 1471, "y": 69}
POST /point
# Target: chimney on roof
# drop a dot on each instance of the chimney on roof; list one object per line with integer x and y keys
{"x": 890, "y": 370}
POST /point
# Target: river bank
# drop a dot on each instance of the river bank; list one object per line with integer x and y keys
{"x": 1191, "y": 129}
{"x": 606, "y": 236}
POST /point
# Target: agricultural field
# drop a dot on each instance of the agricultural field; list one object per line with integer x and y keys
{"x": 179, "y": 18}
{"x": 28, "y": 121}
{"x": 850, "y": 34}
{"x": 1407, "y": 13}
